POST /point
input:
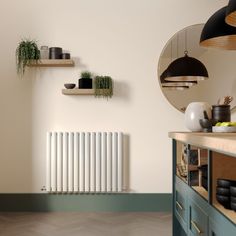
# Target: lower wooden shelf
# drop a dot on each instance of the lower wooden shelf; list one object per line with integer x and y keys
{"x": 77, "y": 91}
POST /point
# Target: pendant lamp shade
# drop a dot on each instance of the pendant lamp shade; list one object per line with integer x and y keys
{"x": 217, "y": 34}
{"x": 166, "y": 83}
{"x": 175, "y": 87}
{"x": 230, "y": 18}
{"x": 186, "y": 69}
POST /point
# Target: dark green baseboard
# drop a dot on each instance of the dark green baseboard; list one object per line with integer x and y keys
{"x": 126, "y": 202}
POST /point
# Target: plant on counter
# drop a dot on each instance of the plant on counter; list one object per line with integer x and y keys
{"x": 26, "y": 51}
{"x": 85, "y": 81}
{"x": 103, "y": 86}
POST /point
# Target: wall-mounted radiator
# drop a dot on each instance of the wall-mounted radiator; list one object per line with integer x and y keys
{"x": 84, "y": 162}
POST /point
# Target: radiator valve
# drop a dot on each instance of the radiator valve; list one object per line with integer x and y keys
{"x": 43, "y": 188}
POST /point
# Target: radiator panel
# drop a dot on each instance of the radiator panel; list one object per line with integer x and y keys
{"x": 84, "y": 162}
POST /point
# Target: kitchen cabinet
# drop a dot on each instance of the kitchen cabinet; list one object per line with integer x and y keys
{"x": 199, "y": 159}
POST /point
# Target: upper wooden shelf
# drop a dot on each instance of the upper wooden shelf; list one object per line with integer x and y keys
{"x": 53, "y": 63}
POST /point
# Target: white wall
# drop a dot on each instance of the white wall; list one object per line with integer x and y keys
{"x": 120, "y": 38}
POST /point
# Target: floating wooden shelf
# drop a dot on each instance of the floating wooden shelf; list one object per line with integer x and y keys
{"x": 53, "y": 63}
{"x": 77, "y": 91}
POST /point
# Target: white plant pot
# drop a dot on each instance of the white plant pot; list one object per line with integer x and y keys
{"x": 194, "y": 113}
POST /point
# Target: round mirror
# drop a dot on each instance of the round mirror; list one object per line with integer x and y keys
{"x": 220, "y": 64}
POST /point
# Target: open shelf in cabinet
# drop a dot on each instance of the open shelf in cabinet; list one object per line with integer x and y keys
{"x": 228, "y": 213}
{"x": 198, "y": 170}
{"x": 202, "y": 191}
{"x": 181, "y": 161}
{"x": 223, "y": 167}
{"x": 52, "y": 63}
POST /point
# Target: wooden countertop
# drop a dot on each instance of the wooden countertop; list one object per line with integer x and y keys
{"x": 220, "y": 142}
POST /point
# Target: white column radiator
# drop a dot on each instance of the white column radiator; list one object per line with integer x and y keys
{"x": 84, "y": 162}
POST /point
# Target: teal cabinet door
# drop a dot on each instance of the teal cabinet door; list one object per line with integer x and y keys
{"x": 181, "y": 209}
{"x": 221, "y": 228}
{"x": 181, "y": 204}
{"x": 198, "y": 221}
{"x": 215, "y": 230}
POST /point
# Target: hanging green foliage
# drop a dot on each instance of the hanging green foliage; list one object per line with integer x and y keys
{"x": 103, "y": 86}
{"x": 26, "y": 51}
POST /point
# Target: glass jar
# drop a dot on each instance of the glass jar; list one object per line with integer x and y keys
{"x": 44, "y": 52}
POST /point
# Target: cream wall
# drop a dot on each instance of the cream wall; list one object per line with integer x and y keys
{"x": 120, "y": 38}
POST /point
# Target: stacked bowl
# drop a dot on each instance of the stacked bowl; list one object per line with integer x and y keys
{"x": 233, "y": 197}
{"x": 224, "y": 195}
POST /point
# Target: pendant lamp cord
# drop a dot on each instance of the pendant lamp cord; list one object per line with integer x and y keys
{"x": 171, "y": 51}
{"x": 177, "y": 45}
{"x": 186, "y": 41}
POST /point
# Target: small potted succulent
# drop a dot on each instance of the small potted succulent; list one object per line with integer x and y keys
{"x": 85, "y": 81}
{"x": 26, "y": 52}
{"x": 103, "y": 86}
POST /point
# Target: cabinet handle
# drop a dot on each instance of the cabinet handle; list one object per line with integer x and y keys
{"x": 196, "y": 227}
{"x": 179, "y": 205}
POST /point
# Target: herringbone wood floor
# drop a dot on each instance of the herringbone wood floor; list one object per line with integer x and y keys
{"x": 85, "y": 224}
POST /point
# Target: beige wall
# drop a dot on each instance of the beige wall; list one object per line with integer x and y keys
{"x": 121, "y": 38}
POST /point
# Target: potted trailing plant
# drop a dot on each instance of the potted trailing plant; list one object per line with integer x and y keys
{"x": 103, "y": 86}
{"x": 26, "y": 51}
{"x": 85, "y": 81}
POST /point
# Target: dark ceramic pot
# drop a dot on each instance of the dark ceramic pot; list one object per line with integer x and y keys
{"x": 221, "y": 113}
{"x": 85, "y": 83}
{"x": 65, "y": 56}
{"x": 55, "y": 53}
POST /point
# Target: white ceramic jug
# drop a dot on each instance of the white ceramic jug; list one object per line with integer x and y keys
{"x": 195, "y": 112}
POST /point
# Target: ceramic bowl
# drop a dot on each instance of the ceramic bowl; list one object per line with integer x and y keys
{"x": 223, "y": 191}
{"x": 223, "y": 200}
{"x": 225, "y": 183}
{"x": 205, "y": 123}
{"x": 233, "y": 199}
{"x": 233, "y": 206}
{"x": 69, "y": 86}
{"x": 233, "y": 191}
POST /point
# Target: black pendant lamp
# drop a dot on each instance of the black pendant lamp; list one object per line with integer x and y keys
{"x": 172, "y": 84}
{"x": 186, "y": 69}
{"x": 217, "y": 34}
{"x": 230, "y": 18}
